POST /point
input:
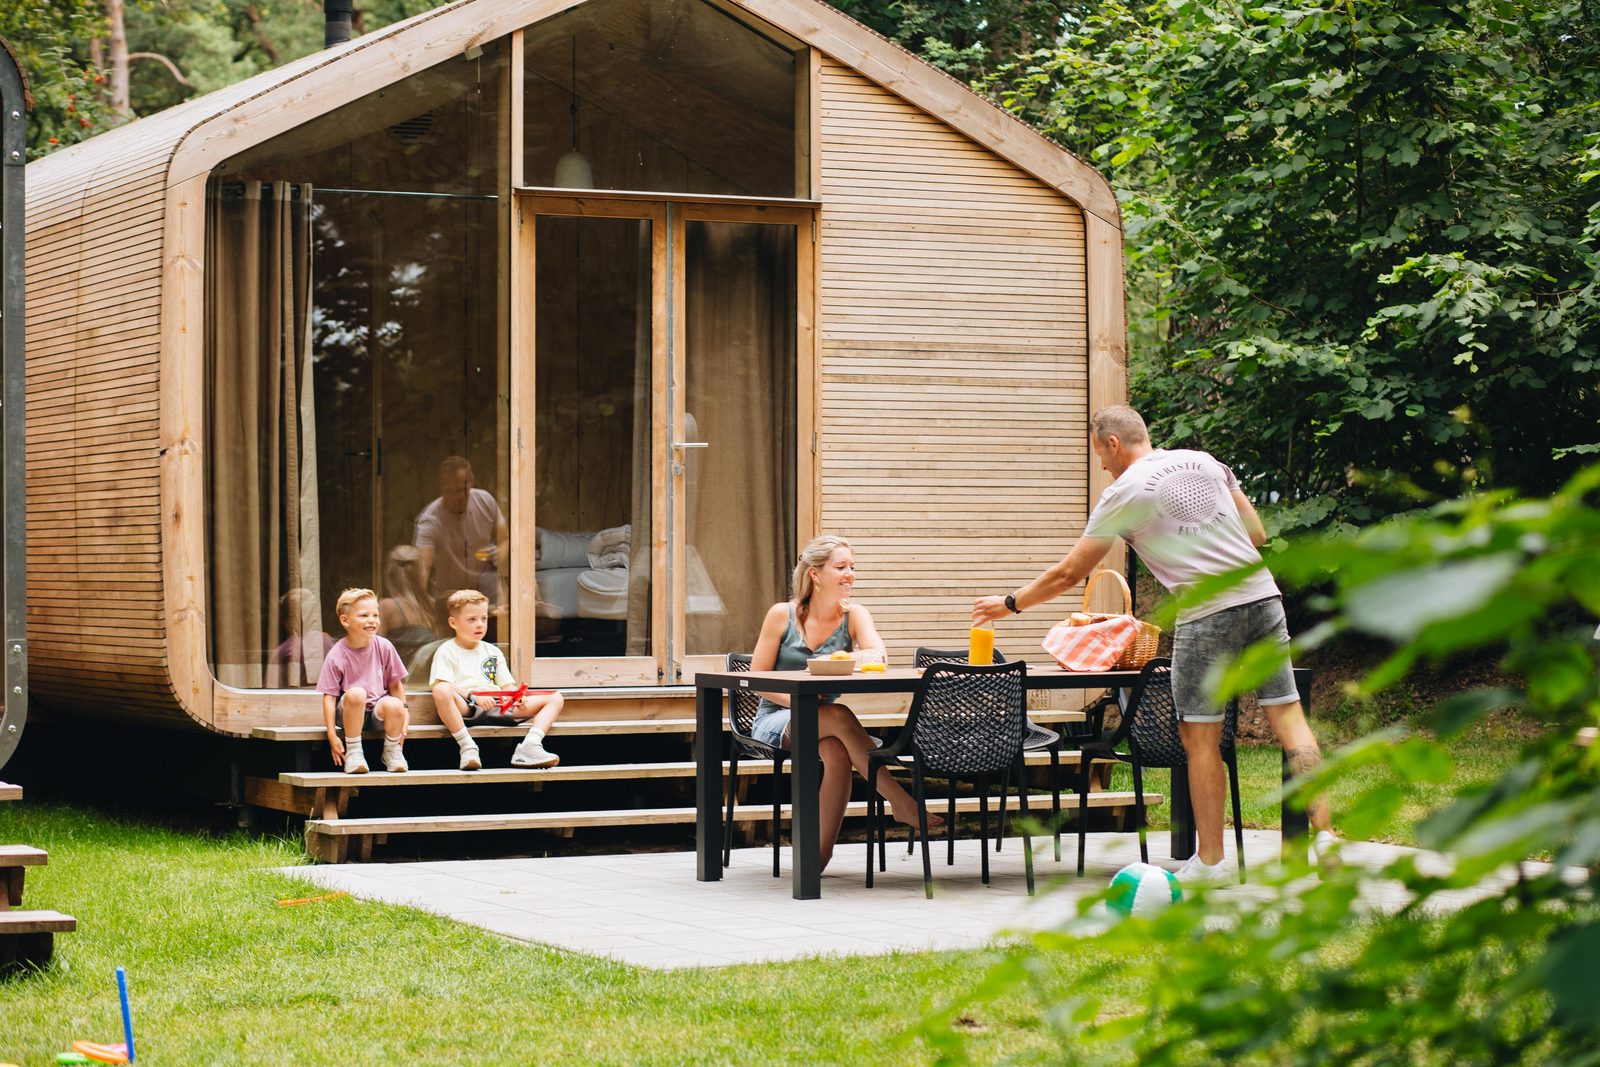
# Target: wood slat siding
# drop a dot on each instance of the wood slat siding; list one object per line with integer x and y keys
{"x": 954, "y": 378}
{"x": 95, "y": 603}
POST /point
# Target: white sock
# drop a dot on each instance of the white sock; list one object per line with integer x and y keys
{"x": 463, "y": 737}
{"x": 353, "y": 744}
{"x": 535, "y": 736}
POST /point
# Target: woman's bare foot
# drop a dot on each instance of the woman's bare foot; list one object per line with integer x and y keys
{"x": 905, "y": 813}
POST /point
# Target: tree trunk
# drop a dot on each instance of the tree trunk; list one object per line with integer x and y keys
{"x": 121, "y": 103}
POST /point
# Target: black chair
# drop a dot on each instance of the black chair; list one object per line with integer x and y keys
{"x": 1037, "y": 737}
{"x": 965, "y": 721}
{"x": 742, "y": 704}
{"x": 1150, "y": 728}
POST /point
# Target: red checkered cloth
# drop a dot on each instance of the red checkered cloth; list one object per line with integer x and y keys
{"x": 1095, "y": 647}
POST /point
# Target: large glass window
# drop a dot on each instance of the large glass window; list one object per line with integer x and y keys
{"x": 594, "y": 432}
{"x": 661, "y": 95}
{"x": 358, "y": 395}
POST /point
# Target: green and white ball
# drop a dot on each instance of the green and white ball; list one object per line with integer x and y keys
{"x": 1143, "y": 889}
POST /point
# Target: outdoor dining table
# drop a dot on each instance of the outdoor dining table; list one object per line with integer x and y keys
{"x": 805, "y": 690}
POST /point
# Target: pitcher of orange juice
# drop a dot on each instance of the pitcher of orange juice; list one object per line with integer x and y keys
{"x": 980, "y": 645}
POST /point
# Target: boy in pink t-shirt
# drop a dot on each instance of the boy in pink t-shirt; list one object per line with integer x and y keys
{"x": 359, "y": 670}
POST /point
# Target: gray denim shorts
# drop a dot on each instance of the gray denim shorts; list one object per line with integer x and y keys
{"x": 1220, "y": 636}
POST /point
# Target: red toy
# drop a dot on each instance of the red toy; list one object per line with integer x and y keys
{"x": 509, "y": 698}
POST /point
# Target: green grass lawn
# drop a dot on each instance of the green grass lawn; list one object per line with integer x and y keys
{"x": 220, "y": 975}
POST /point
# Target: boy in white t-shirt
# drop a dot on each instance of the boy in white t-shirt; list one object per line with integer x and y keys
{"x": 468, "y": 665}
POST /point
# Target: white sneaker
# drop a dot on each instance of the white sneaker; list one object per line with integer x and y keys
{"x": 1325, "y": 853}
{"x": 1196, "y": 872}
{"x": 470, "y": 760}
{"x": 532, "y": 753}
{"x": 394, "y": 760}
{"x": 355, "y": 761}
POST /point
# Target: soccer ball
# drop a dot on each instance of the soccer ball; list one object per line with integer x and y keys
{"x": 1143, "y": 889}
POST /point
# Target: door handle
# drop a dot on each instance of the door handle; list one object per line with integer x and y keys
{"x": 691, "y": 444}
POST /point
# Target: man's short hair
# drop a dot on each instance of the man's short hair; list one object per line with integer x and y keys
{"x": 462, "y": 597}
{"x": 350, "y": 598}
{"x": 1119, "y": 421}
{"x": 450, "y": 465}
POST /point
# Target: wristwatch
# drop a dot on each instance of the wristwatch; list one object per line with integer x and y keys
{"x": 1011, "y": 602}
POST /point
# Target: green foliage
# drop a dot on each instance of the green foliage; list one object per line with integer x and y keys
{"x": 1365, "y": 233}
{"x": 64, "y": 90}
{"x": 210, "y": 43}
{"x": 968, "y": 38}
{"x": 1491, "y": 961}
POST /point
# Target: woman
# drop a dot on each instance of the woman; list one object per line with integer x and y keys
{"x": 403, "y": 614}
{"x": 819, "y": 620}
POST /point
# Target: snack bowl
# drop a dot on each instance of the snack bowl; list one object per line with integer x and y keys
{"x": 825, "y": 665}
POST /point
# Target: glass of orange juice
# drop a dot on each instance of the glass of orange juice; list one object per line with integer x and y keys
{"x": 980, "y": 645}
{"x": 872, "y": 660}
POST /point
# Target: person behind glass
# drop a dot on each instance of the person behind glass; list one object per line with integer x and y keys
{"x": 466, "y": 664}
{"x": 819, "y": 620}
{"x": 405, "y": 615}
{"x": 300, "y": 654}
{"x": 362, "y": 682}
{"x": 461, "y": 535}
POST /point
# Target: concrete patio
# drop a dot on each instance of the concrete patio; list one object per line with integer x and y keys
{"x": 648, "y": 910}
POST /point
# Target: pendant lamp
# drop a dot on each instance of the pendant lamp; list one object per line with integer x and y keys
{"x": 572, "y": 169}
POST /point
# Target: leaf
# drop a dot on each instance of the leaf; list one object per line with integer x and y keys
{"x": 1567, "y": 971}
{"x": 1454, "y": 714}
{"x": 1422, "y": 761}
{"x": 1399, "y": 606}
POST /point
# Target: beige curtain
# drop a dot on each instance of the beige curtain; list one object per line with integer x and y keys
{"x": 266, "y": 621}
{"x": 741, "y": 384}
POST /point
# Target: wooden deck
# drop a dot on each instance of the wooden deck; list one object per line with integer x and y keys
{"x": 335, "y": 830}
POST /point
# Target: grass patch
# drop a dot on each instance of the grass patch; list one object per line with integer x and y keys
{"x": 220, "y": 975}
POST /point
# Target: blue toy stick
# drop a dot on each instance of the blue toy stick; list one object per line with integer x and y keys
{"x": 127, "y": 1015}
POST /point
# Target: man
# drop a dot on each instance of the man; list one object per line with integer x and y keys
{"x": 461, "y": 535}
{"x": 1184, "y": 514}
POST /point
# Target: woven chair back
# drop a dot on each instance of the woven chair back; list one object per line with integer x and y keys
{"x": 927, "y": 656}
{"x": 968, "y": 720}
{"x": 742, "y": 703}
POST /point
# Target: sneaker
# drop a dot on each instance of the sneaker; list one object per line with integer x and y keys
{"x": 532, "y": 753}
{"x": 1325, "y": 853}
{"x": 355, "y": 761}
{"x": 470, "y": 760}
{"x": 1196, "y": 872}
{"x": 394, "y": 760}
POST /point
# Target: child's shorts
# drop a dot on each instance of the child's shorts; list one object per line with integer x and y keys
{"x": 369, "y": 720}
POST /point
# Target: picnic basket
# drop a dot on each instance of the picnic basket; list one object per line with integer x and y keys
{"x": 1143, "y": 648}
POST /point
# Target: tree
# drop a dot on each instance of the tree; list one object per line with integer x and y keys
{"x": 968, "y": 38}
{"x": 1364, "y": 232}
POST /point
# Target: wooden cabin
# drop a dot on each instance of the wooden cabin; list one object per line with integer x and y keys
{"x": 604, "y": 307}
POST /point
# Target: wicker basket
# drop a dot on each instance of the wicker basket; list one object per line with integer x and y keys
{"x": 1143, "y": 649}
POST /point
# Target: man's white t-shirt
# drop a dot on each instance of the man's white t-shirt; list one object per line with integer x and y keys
{"x": 1176, "y": 508}
{"x": 469, "y": 669}
{"x": 457, "y": 537}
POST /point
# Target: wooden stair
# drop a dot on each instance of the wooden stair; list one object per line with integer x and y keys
{"x": 27, "y": 938}
{"x": 324, "y": 797}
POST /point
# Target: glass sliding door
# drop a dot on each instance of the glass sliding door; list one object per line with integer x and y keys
{"x": 736, "y": 494}
{"x": 667, "y": 409}
{"x": 594, "y": 422}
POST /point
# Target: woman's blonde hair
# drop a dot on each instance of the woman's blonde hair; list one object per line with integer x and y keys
{"x": 815, "y": 554}
{"x": 404, "y": 580}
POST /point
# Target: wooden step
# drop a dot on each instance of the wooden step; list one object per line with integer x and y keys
{"x": 14, "y": 861}
{"x": 22, "y": 856}
{"x": 517, "y": 775}
{"x": 36, "y": 922}
{"x": 559, "y": 820}
{"x": 10, "y": 792}
{"x": 600, "y": 727}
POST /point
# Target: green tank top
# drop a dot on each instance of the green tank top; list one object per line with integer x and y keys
{"x": 793, "y": 650}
